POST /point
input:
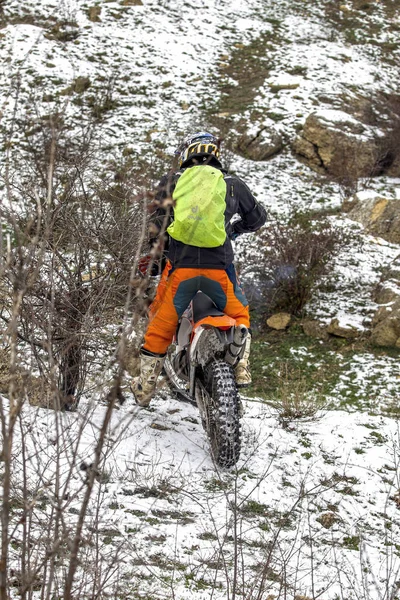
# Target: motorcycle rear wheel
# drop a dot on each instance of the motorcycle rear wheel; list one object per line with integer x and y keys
{"x": 223, "y": 422}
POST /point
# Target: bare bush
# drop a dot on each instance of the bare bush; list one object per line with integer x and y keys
{"x": 73, "y": 223}
{"x": 294, "y": 257}
{"x": 75, "y": 231}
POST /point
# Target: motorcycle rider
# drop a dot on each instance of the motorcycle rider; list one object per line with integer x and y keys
{"x": 198, "y": 263}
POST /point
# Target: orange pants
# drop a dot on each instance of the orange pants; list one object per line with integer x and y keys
{"x": 174, "y": 293}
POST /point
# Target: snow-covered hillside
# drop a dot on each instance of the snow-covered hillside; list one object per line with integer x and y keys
{"x": 312, "y": 509}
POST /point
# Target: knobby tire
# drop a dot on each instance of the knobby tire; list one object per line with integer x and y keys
{"x": 224, "y": 413}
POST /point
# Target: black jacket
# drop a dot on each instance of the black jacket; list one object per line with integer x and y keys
{"x": 239, "y": 200}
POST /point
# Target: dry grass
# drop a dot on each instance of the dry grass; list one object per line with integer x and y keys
{"x": 294, "y": 399}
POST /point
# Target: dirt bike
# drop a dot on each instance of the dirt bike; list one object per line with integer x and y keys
{"x": 199, "y": 366}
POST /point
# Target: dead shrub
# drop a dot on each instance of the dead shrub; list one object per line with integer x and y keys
{"x": 294, "y": 257}
{"x": 76, "y": 225}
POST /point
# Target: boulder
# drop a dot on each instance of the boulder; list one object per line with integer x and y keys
{"x": 338, "y": 329}
{"x": 386, "y": 326}
{"x": 279, "y": 321}
{"x": 315, "y": 329}
{"x": 334, "y": 141}
{"x": 379, "y": 215}
{"x": 387, "y": 333}
{"x": 259, "y": 145}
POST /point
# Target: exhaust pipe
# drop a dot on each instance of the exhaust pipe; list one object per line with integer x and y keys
{"x": 236, "y": 346}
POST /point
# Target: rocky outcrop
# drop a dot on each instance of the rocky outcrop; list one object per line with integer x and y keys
{"x": 380, "y": 216}
{"x": 260, "y": 145}
{"x": 334, "y": 141}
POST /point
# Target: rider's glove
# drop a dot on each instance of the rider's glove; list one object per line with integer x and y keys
{"x": 234, "y": 234}
{"x": 143, "y": 265}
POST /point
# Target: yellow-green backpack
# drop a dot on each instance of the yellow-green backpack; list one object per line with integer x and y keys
{"x": 199, "y": 207}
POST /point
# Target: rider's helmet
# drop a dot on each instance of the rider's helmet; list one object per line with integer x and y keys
{"x": 198, "y": 146}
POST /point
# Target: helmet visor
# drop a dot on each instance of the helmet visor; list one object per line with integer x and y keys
{"x": 201, "y": 136}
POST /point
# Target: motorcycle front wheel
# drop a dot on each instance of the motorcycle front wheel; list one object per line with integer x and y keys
{"x": 223, "y": 413}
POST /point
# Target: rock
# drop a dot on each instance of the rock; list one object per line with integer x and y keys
{"x": 308, "y": 151}
{"x": 344, "y": 331}
{"x": 315, "y": 330}
{"x": 334, "y": 141}
{"x": 279, "y": 321}
{"x": 328, "y": 519}
{"x": 387, "y": 333}
{"x": 348, "y": 204}
{"x": 386, "y": 321}
{"x": 284, "y": 81}
{"x": 386, "y": 326}
{"x": 80, "y": 85}
{"x": 388, "y": 289}
{"x": 35, "y": 389}
{"x": 260, "y": 145}
{"x": 93, "y": 13}
{"x": 277, "y": 87}
{"x": 387, "y": 293}
{"x": 380, "y": 216}
{"x": 132, "y": 3}
{"x": 381, "y": 314}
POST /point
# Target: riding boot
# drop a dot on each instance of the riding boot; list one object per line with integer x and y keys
{"x": 242, "y": 369}
{"x": 143, "y": 386}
